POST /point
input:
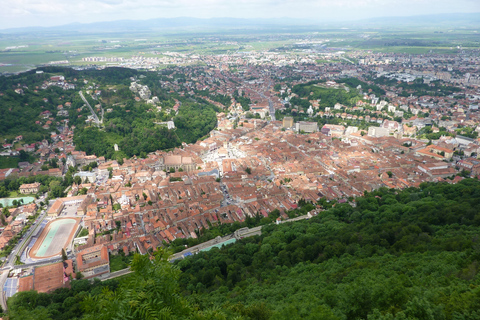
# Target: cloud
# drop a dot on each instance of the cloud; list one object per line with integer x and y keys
{"x": 111, "y": 2}
{"x": 54, "y": 12}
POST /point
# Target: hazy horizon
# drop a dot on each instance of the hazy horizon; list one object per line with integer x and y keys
{"x": 48, "y": 13}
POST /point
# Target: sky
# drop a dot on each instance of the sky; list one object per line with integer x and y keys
{"x": 27, "y": 13}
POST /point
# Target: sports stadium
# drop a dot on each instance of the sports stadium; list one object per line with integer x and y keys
{"x": 56, "y": 235}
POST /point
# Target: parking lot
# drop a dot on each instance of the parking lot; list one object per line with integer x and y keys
{"x": 69, "y": 210}
{"x": 10, "y": 287}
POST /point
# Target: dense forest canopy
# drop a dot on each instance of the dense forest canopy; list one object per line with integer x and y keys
{"x": 19, "y": 112}
{"x": 411, "y": 254}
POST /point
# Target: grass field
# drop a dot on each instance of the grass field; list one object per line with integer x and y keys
{"x": 119, "y": 262}
{"x": 417, "y": 50}
{"x": 8, "y": 162}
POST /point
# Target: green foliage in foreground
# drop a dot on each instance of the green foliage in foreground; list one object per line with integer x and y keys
{"x": 411, "y": 254}
{"x": 119, "y": 261}
{"x": 152, "y": 292}
{"x": 62, "y": 304}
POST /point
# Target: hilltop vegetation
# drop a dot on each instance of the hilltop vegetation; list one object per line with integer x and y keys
{"x": 419, "y": 88}
{"x": 129, "y": 123}
{"x": 19, "y": 112}
{"x": 329, "y": 96}
{"x": 133, "y": 127}
{"x": 411, "y": 254}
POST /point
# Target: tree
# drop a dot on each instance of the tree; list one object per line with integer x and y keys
{"x": 64, "y": 255}
{"x": 390, "y": 174}
{"x": 248, "y": 170}
{"x": 77, "y": 180}
{"x": 23, "y": 155}
{"x": 152, "y": 292}
{"x": 464, "y": 173}
{"x": 53, "y": 163}
{"x": 6, "y": 212}
{"x": 53, "y": 184}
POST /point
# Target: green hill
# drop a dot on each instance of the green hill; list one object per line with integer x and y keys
{"x": 29, "y": 106}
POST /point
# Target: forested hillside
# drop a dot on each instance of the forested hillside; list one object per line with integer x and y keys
{"x": 134, "y": 125}
{"x": 411, "y": 254}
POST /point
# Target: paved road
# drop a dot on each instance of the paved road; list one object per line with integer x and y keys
{"x": 347, "y": 60}
{"x": 270, "y": 102}
{"x": 10, "y": 261}
{"x": 116, "y": 274}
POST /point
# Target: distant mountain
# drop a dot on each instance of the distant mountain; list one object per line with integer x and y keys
{"x": 435, "y": 20}
{"x": 165, "y": 24}
{"x": 454, "y": 19}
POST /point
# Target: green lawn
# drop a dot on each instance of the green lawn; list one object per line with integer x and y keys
{"x": 14, "y": 194}
{"x": 83, "y": 233}
{"x": 417, "y": 50}
{"x": 8, "y": 162}
{"x": 119, "y": 262}
{"x": 30, "y": 58}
